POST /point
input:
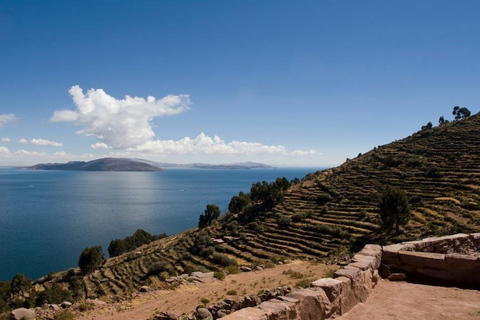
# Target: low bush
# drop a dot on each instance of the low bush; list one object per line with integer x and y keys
{"x": 220, "y": 275}
{"x": 223, "y": 260}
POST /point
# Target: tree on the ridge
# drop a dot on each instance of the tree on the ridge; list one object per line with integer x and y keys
{"x": 212, "y": 212}
{"x": 442, "y": 120}
{"x": 394, "y": 208}
{"x": 90, "y": 259}
{"x": 116, "y": 247}
{"x": 428, "y": 126}
{"x": 238, "y": 203}
{"x": 460, "y": 113}
{"x": 20, "y": 284}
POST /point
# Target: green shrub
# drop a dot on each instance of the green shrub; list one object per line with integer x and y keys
{"x": 284, "y": 221}
{"x": 207, "y": 252}
{"x": 297, "y": 217}
{"x": 159, "y": 267}
{"x": 220, "y": 275}
{"x": 232, "y": 292}
{"x": 64, "y": 315}
{"x": 433, "y": 173}
{"x": 223, "y": 260}
{"x": 362, "y": 215}
{"x": 233, "y": 270}
{"x": 293, "y": 274}
{"x": 323, "y": 198}
{"x": 55, "y": 294}
{"x": 324, "y": 210}
{"x": 305, "y": 283}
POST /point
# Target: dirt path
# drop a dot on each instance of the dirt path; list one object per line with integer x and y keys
{"x": 186, "y": 298}
{"x": 406, "y": 301}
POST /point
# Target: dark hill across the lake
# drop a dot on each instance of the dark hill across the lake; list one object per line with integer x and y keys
{"x": 105, "y": 164}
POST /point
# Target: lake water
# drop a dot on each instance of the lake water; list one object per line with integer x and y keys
{"x": 48, "y": 217}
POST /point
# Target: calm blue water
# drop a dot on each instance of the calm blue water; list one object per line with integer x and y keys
{"x": 48, "y": 217}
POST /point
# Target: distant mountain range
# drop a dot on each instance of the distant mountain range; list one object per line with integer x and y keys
{"x": 125, "y": 164}
{"x": 238, "y": 165}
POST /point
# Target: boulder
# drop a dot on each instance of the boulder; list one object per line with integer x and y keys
{"x": 397, "y": 277}
{"x": 165, "y": 316}
{"x": 203, "y": 314}
{"x": 144, "y": 289}
{"x": 23, "y": 314}
{"x": 54, "y": 307}
{"x": 245, "y": 269}
{"x": 95, "y": 302}
{"x": 66, "y": 304}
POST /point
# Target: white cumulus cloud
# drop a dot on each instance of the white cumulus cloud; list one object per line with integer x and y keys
{"x": 6, "y": 118}
{"x": 208, "y": 145}
{"x": 4, "y": 150}
{"x": 99, "y": 145}
{"x": 5, "y": 140}
{"x": 126, "y": 125}
{"x": 120, "y": 124}
{"x": 41, "y": 142}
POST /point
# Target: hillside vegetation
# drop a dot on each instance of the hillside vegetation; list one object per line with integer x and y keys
{"x": 325, "y": 215}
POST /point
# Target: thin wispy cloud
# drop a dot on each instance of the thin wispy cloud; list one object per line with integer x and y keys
{"x": 7, "y": 118}
{"x": 126, "y": 125}
{"x": 5, "y": 139}
{"x": 40, "y": 142}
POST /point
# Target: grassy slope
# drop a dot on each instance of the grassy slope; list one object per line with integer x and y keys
{"x": 438, "y": 169}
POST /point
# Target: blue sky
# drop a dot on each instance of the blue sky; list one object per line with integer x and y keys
{"x": 301, "y": 83}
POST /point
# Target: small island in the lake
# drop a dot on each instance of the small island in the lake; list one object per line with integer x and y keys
{"x": 105, "y": 164}
{"x": 125, "y": 164}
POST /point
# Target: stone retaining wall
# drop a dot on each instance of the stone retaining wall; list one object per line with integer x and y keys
{"x": 451, "y": 258}
{"x": 327, "y": 297}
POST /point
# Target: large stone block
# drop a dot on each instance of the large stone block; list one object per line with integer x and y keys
{"x": 364, "y": 262}
{"x": 331, "y": 287}
{"x": 390, "y": 254}
{"x": 371, "y": 250}
{"x": 278, "y": 309}
{"x": 247, "y": 314}
{"x": 352, "y": 273}
{"x": 359, "y": 281}
{"x": 423, "y": 259}
{"x": 313, "y": 304}
{"x": 348, "y": 299}
{"x": 463, "y": 261}
{"x": 441, "y": 274}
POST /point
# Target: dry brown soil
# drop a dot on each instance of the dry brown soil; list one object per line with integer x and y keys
{"x": 406, "y": 301}
{"x": 186, "y": 298}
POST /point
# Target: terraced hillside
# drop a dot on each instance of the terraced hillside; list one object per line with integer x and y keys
{"x": 327, "y": 213}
